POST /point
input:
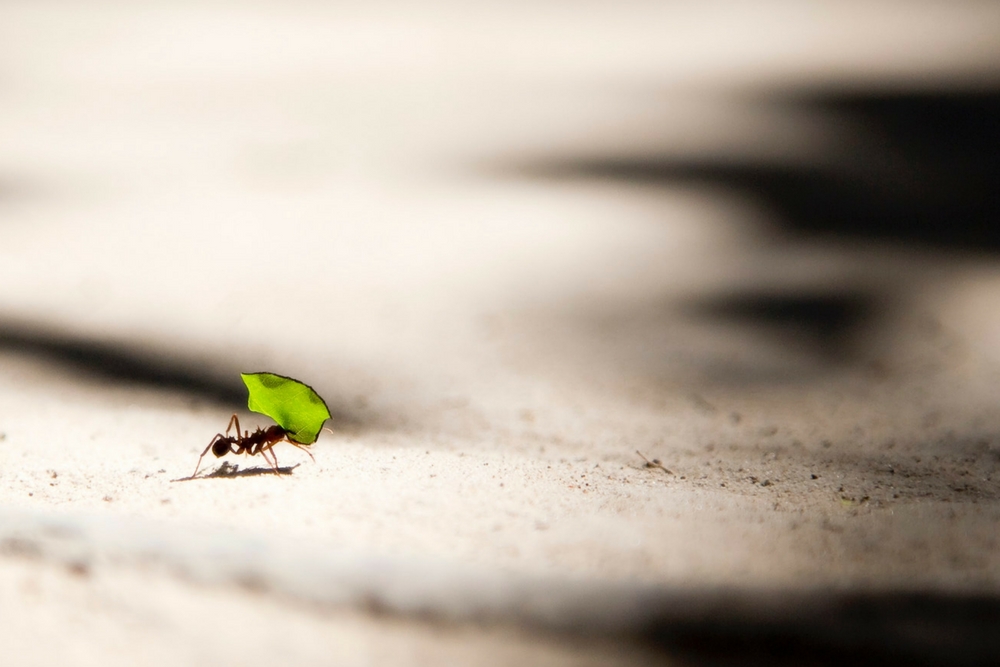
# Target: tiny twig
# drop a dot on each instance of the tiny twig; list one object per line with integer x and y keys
{"x": 655, "y": 463}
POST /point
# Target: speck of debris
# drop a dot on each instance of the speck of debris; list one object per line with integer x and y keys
{"x": 165, "y": 501}
{"x": 52, "y": 473}
{"x": 655, "y": 463}
{"x": 3, "y": 436}
{"x": 832, "y": 527}
{"x": 107, "y": 499}
{"x": 814, "y": 476}
{"x": 766, "y": 482}
{"x": 78, "y": 569}
{"x": 701, "y": 403}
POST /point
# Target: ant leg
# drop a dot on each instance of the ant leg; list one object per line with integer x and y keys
{"x": 218, "y": 436}
{"x": 214, "y": 440}
{"x": 234, "y": 420}
{"x": 302, "y": 447}
{"x": 274, "y": 465}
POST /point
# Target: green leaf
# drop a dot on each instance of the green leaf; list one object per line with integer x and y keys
{"x": 295, "y": 406}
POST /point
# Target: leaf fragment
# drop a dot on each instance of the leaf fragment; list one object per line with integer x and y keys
{"x": 295, "y": 406}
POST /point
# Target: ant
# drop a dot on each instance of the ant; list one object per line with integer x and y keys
{"x": 260, "y": 442}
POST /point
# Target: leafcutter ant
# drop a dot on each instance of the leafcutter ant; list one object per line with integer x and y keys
{"x": 260, "y": 442}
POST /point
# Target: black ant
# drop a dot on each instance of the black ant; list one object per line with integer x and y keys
{"x": 260, "y": 442}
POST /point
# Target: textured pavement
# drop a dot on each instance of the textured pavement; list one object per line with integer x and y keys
{"x": 500, "y": 243}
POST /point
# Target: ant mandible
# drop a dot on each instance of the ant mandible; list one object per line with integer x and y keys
{"x": 260, "y": 442}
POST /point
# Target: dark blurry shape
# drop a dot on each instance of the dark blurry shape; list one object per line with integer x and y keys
{"x": 919, "y": 168}
{"x": 150, "y": 365}
{"x": 15, "y": 188}
{"x": 911, "y": 168}
{"x": 7, "y": 189}
{"x": 122, "y": 362}
{"x": 832, "y": 325}
{"x": 921, "y": 629}
{"x": 931, "y": 172}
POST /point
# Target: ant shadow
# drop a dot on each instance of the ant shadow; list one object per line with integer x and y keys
{"x": 232, "y": 470}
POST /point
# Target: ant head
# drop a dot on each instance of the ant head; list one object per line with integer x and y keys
{"x": 221, "y": 447}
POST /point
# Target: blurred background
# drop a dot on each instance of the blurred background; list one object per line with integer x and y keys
{"x": 758, "y": 191}
{"x": 743, "y": 237}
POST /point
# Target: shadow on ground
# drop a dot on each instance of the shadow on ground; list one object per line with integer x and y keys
{"x": 135, "y": 363}
{"x": 918, "y": 169}
{"x": 913, "y": 170}
{"x": 829, "y": 628}
{"x": 232, "y": 471}
{"x": 121, "y": 362}
{"x": 832, "y": 325}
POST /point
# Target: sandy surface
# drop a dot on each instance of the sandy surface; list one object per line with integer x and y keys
{"x": 189, "y": 191}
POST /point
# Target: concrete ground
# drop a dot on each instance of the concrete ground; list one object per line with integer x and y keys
{"x": 392, "y": 203}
